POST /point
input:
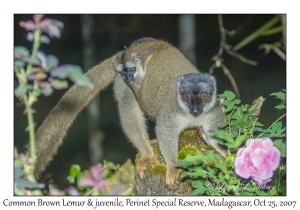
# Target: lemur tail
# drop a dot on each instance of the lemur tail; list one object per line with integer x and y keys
{"x": 53, "y": 130}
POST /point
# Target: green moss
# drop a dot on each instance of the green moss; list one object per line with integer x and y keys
{"x": 137, "y": 156}
{"x": 156, "y": 151}
{"x": 190, "y": 137}
{"x": 190, "y": 142}
{"x": 157, "y": 169}
{"x": 187, "y": 150}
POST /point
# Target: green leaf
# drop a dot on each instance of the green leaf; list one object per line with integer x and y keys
{"x": 22, "y": 183}
{"x": 230, "y": 146}
{"x": 259, "y": 129}
{"x": 44, "y": 39}
{"x": 221, "y": 176}
{"x": 237, "y": 101}
{"x": 25, "y": 184}
{"x": 258, "y": 124}
{"x": 245, "y": 193}
{"x": 211, "y": 172}
{"x": 75, "y": 173}
{"x": 46, "y": 88}
{"x": 195, "y": 172}
{"x": 261, "y": 192}
{"x": 277, "y": 126}
{"x": 257, "y": 33}
{"x": 280, "y": 107}
{"x": 21, "y": 52}
{"x": 234, "y": 133}
{"x": 198, "y": 191}
{"x": 77, "y": 76}
{"x": 18, "y": 172}
{"x": 229, "y": 157}
{"x": 238, "y": 115}
{"x": 279, "y": 95}
{"x": 75, "y": 170}
{"x": 33, "y": 61}
{"x": 44, "y": 84}
{"x": 240, "y": 139}
{"x": 222, "y": 166}
{"x": 232, "y": 181}
{"x": 19, "y": 63}
{"x": 40, "y": 75}
{"x": 228, "y": 105}
{"x": 20, "y": 90}
{"x": 185, "y": 164}
{"x": 223, "y": 135}
{"x": 272, "y": 31}
{"x": 213, "y": 191}
{"x": 199, "y": 187}
{"x": 223, "y": 124}
{"x": 197, "y": 184}
{"x": 52, "y": 61}
{"x": 273, "y": 191}
{"x": 59, "y": 84}
{"x": 281, "y": 146}
{"x": 280, "y": 133}
{"x": 61, "y": 72}
{"x": 229, "y": 95}
{"x": 251, "y": 121}
{"x": 47, "y": 91}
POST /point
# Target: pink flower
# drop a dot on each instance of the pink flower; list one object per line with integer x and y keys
{"x": 73, "y": 191}
{"x": 51, "y": 27}
{"x": 94, "y": 178}
{"x": 258, "y": 160}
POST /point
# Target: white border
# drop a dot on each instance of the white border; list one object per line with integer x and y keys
{"x": 153, "y": 6}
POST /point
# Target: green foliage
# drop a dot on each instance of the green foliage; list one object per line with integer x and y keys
{"x": 116, "y": 179}
{"x": 38, "y": 74}
{"x": 281, "y": 145}
{"x": 208, "y": 170}
{"x": 239, "y": 122}
{"x": 24, "y": 182}
{"x": 33, "y": 70}
{"x": 75, "y": 173}
{"x": 262, "y": 31}
{"x": 211, "y": 174}
{"x": 279, "y": 95}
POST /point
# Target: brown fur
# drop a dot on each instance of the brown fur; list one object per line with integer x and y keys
{"x": 51, "y": 133}
{"x": 153, "y": 92}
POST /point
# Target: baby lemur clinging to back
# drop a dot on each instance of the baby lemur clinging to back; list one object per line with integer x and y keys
{"x": 151, "y": 78}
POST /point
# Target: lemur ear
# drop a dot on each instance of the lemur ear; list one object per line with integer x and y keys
{"x": 136, "y": 58}
{"x": 209, "y": 79}
{"x": 117, "y": 59}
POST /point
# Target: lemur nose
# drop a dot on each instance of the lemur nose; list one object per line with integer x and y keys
{"x": 195, "y": 112}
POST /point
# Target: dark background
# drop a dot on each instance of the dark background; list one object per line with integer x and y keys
{"x": 111, "y": 34}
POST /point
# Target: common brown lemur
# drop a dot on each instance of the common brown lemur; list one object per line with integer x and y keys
{"x": 151, "y": 78}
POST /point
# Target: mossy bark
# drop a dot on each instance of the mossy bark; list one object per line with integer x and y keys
{"x": 154, "y": 182}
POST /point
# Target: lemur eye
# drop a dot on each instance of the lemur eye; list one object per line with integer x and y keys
{"x": 204, "y": 96}
{"x": 187, "y": 96}
{"x": 132, "y": 69}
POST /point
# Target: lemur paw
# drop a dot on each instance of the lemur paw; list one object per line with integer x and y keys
{"x": 171, "y": 177}
{"x": 143, "y": 162}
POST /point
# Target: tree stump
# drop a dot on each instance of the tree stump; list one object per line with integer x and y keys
{"x": 154, "y": 181}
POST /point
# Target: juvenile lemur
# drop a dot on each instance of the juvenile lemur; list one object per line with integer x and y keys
{"x": 151, "y": 78}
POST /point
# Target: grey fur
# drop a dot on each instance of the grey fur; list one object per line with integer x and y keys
{"x": 162, "y": 75}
